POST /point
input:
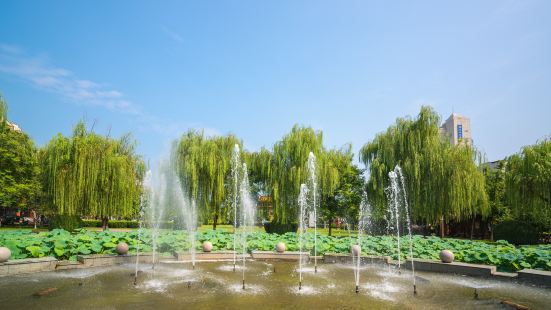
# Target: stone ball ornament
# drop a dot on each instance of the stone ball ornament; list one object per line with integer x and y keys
{"x": 280, "y": 247}
{"x": 356, "y": 250}
{"x": 446, "y": 256}
{"x": 5, "y": 254}
{"x": 207, "y": 246}
{"x": 122, "y": 248}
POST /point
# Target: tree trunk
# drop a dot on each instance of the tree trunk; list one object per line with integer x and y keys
{"x": 214, "y": 221}
{"x": 472, "y": 227}
{"x": 330, "y": 221}
{"x": 105, "y": 223}
{"x": 442, "y": 227}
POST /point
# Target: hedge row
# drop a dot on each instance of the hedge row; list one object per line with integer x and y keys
{"x": 112, "y": 224}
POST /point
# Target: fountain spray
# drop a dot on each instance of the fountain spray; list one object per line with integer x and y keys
{"x": 408, "y": 219}
{"x": 235, "y": 166}
{"x": 303, "y": 204}
{"x": 248, "y": 209}
{"x": 313, "y": 184}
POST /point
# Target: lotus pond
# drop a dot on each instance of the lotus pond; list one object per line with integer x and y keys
{"x": 65, "y": 245}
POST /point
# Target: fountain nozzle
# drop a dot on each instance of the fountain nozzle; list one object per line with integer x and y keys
{"x": 243, "y": 284}
{"x": 357, "y": 289}
{"x": 299, "y": 285}
{"x": 188, "y": 284}
{"x": 414, "y": 289}
{"x": 475, "y": 293}
{"x": 315, "y": 269}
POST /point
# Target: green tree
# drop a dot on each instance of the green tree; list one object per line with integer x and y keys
{"x": 442, "y": 181}
{"x": 285, "y": 168}
{"x": 495, "y": 188}
{"x": 92, "y": 175}
{"x": 204, "y": 166}
{"x": 344, "y": 202}
{"x": 19, "y": 184}
{"x": 528, "y": 184}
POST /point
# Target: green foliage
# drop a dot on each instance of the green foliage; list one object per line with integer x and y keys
{"x": 441, "y": 180}
{"x": 112, "y": 224}
{"x": 19, "y": 181}
{"x": 280, "y": 228}
{"x": 88, "y": 174}
{"x": 67, "y": 222}
{"x": 344, "y": 202}
{"x": 528, "y": 184}
{"x": 517, "y": 232}
{"x": 3, "y": 111}
{"x": 285, "y": 168}
{"x": 64, "y": 245}
{"x": 203, "y": 163}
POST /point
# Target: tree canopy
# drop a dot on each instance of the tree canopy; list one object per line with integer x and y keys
{"x": 93, "y": 175}
{"x": 528, "y": 183}
{"x": 285, "y": 169}
{"x": 441, "y": 179}
{"x": 19, "y": 184}
{"x": 204, "y": 166}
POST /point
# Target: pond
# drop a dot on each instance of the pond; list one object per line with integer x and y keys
{"x": 215, "y": 285}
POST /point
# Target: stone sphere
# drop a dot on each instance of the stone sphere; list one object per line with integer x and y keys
{"x": 356, "y": 250}
{"x": 446, "y": 256}
{"x": 280, "y": 247}
{"x": 207, "y": 246}
{"x": 5, "y": 254}
{"x": 122, "y": 248}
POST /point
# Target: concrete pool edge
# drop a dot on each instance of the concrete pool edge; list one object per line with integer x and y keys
{"x": 44, "y": 264}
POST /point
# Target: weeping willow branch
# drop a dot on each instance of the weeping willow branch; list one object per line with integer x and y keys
{"x": 442, "y": 180}
{"x": 88, "y": 174}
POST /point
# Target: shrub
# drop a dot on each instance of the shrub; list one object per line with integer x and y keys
{"x": 517, "y": 232}
{"x": 278, "y": 228}
{"x": 67, "y": 222}
{"x": 92, "y": 223}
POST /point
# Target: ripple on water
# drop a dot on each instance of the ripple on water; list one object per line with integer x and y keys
{"x": 250, "y": 289}
{"x": 384, "y": 291}
{"x": 230, "y": 267}
{"x": 305, "y": 290}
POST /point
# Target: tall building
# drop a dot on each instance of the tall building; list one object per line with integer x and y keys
{"x": 457, "y": 129}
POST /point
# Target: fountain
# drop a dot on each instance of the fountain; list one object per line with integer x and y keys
{"x": 235, "y": 166}
{"x": 248, "y": 212}
{"x": 397, "y": 197}
{"x": 303, "y": 205}
{"x": 143, "y": 204}
{"x": 364, "y": 218}
{"x": 312, "y": 185}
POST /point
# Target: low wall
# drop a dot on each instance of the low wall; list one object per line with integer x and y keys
{"x": 538, "y": 277}
{"x": 285, "y": 256}
{"x": 455, "y": 267}
{"x": 27, "y": 265}
{"x": 98, "y": 260}
{"x": 210, "y": 256}
{"x": 333, "y": 258}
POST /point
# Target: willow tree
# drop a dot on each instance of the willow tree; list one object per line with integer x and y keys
{"x": 285, "y": 169}
{"x": 442, "y": 181}
{"x": 92, "y": 175}
{"x": 203, "y": 164}
{"x": 528, "y": 184}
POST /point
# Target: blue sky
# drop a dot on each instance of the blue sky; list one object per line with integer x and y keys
{"x": 255, "y": 68}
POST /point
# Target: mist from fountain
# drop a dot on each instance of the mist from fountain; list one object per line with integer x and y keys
{"x": 247, "y": 215}
{"x": 312, "y": 186}
{"x": 235, "y": 166}
{"x": 143, "y": 205}
{"x": 397, "y": 199}
{"x": 364, "y": 223}
{"x": 302, "y": 220}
